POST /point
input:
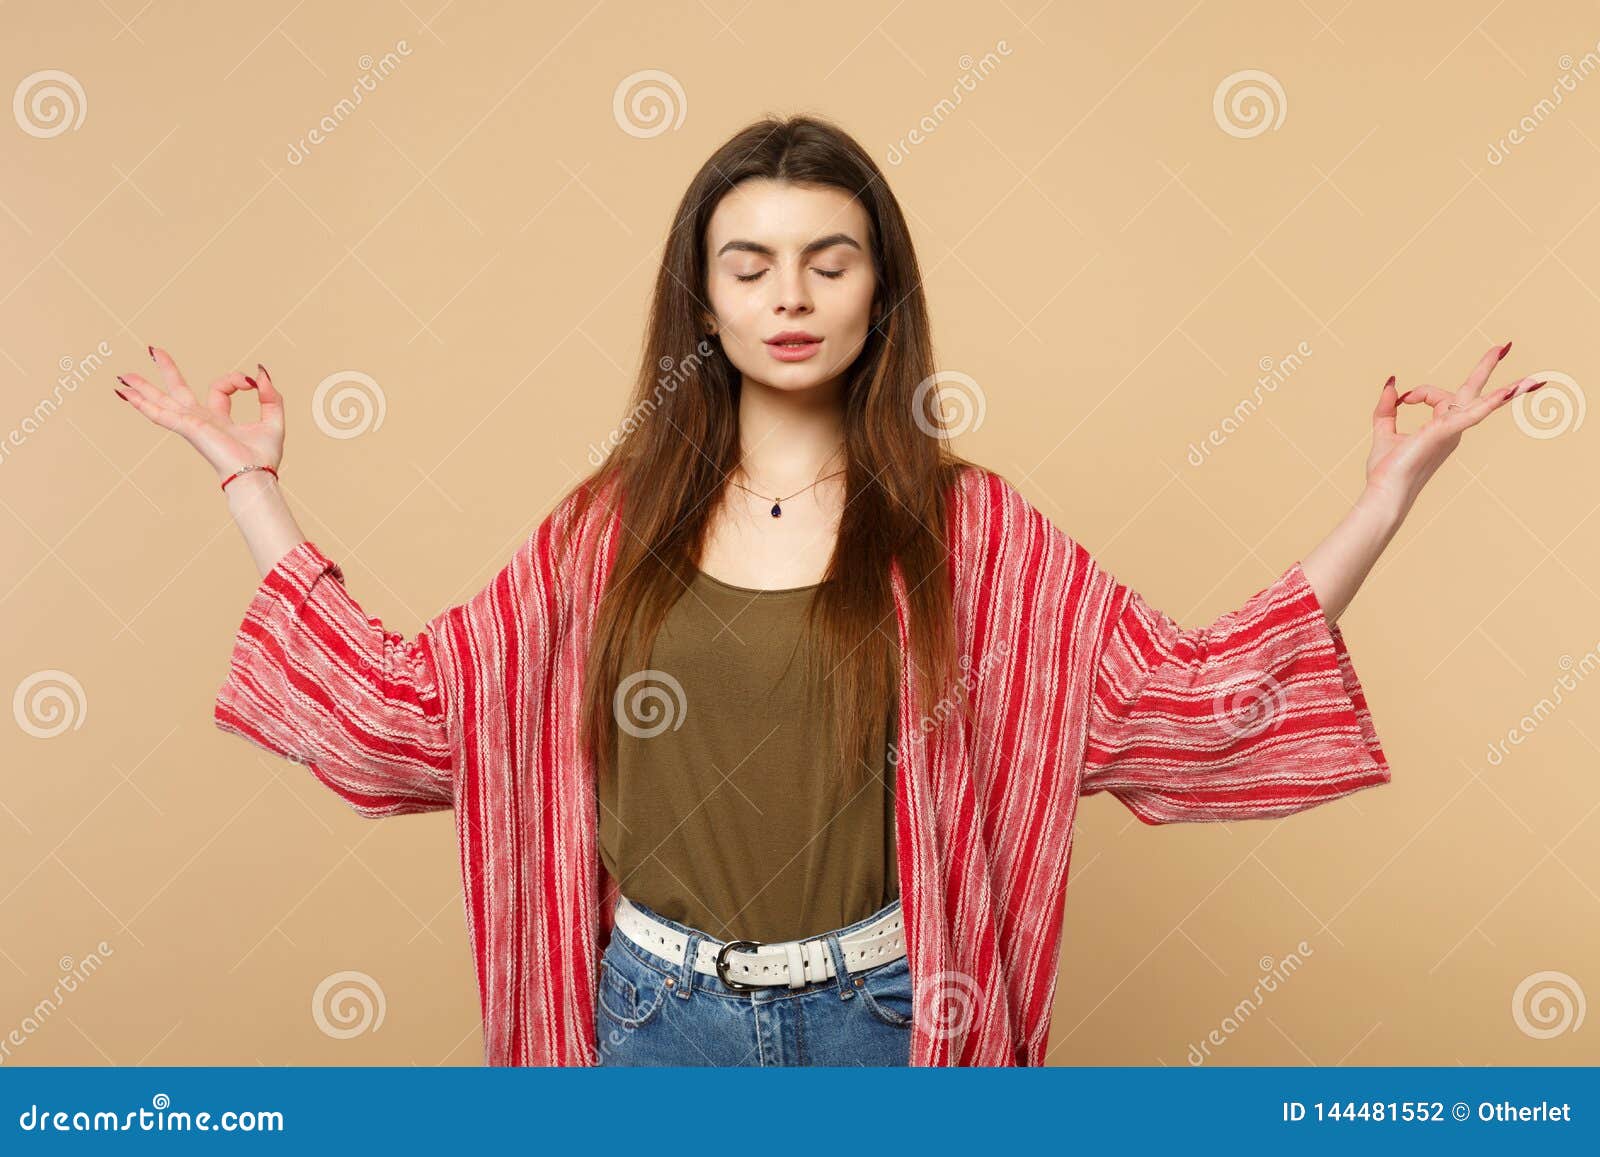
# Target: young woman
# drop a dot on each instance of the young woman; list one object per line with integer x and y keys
{"x": 766, "y": 747}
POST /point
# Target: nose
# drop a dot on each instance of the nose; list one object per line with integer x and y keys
{"x": 793, "y": 296}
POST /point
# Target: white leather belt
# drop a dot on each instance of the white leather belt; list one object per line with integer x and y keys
{"x": 747, "y": 964}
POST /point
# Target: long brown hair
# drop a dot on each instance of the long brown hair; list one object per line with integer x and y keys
{"x": 679, "y": 442}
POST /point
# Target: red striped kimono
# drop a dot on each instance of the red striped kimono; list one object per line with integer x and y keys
{"x": 1076, "y": 685}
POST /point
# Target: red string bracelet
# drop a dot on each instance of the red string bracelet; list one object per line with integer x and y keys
{"x": 246, "y": 470}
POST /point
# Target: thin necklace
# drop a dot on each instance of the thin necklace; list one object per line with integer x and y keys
{"x": 777, "y": 503}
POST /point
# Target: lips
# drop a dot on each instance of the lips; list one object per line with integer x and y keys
{"x": 794, "y": 345}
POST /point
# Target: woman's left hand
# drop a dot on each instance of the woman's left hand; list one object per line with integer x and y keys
{"x": 1400, "y": 464}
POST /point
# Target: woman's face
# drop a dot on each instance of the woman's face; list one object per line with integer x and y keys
{"x": 790, "y": 259}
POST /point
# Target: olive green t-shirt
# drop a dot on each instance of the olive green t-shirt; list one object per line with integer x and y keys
{"x": 724, "y": 809}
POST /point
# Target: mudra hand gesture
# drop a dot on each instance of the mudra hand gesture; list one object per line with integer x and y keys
{"x": 1400, "y": 464}
{"x": 211, "y": 429}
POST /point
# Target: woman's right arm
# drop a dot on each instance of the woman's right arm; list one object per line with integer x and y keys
{"x": 311, "y": 676}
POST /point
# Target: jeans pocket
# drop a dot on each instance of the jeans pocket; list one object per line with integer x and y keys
{"x": 631, "y": 992}
{"x": 886, "y": 992}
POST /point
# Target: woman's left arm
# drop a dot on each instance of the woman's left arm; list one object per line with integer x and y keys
{"x": 1260, "y": 714}
{"x": 1397, "y": 469}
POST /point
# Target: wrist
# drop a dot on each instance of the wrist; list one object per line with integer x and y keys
{"x": 250, "y": 482}
{"x": 1385, "y": 509}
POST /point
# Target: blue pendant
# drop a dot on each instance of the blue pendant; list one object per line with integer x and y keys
{"x": 776, "y": 510}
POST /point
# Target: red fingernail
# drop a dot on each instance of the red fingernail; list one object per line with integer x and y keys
{"x": 1535, "y": 386}
{"x": 1390, "y": 382}
{"x": 263, "y": 370}
{"x": 119, "y": 393}
{"x": 1503, "y": 350}
{"x": 252, "y": 382}
{"x": 152, "y": 350}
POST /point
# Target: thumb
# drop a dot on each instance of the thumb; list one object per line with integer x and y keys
{"x": 271, "y": 400}
{"x": 1383, "y": 414}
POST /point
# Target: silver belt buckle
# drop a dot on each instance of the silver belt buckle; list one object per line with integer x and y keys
{"x": 722, "y": 964}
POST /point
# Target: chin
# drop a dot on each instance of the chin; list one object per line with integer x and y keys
{"x": 798, "y": 380}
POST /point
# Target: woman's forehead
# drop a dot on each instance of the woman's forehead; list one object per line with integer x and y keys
{"x": 784, "y": 216}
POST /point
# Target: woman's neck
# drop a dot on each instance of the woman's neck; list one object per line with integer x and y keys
{"x": 789, "y": 438}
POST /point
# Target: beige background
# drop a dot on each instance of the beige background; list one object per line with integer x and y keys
{"x": 1111, "y": 265}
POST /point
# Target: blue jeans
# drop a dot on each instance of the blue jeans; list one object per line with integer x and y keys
{"x": 650, "y": 1012}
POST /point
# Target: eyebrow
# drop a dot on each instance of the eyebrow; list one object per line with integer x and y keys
{"x": 820, "y": 243}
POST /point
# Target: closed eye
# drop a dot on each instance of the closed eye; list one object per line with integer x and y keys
{"x": 830, "y": 274}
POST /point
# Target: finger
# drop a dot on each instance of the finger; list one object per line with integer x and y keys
{"x": 1474, "y": 384}
{"x": 135, "y": 386}
{"x": 1383, "y": 413}
{"x": 170, "y": 374}
{"x": 219, "y": 397}
{"x": 140, "y": 399}
{"x": 271, "y": 400}
{"x": 1470, "y": 414}
{"x": 1431, "y": 395}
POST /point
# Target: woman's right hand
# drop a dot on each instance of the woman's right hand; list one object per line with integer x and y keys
{"x": 211, "y": 429}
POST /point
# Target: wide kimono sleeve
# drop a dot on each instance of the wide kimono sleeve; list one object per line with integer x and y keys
{"x": 1257, "y": 715}
{"x": 315, "y": 679}
{"x": 387, "y": 722}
